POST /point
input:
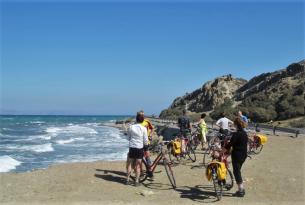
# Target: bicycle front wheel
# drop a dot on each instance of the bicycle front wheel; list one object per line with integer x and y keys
{"x": 169, "y": 172}
{"x": 217, "y": 184}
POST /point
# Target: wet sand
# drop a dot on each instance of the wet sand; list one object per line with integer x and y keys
{"x": 275, "y": 176}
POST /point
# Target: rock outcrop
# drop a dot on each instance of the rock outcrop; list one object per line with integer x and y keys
{"x": 265, "y": 91}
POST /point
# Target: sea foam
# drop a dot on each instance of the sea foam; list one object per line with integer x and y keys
{"x": 8, "y": 163}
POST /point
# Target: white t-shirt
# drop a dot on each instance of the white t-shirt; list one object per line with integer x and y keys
{"x": 137, "y": 135}
{"x": 224, "y": 123}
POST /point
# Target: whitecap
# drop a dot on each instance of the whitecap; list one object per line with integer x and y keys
{"x": 37, "y": 122}
{"x": 74, "y": 129}
{"x": 44, "y": 137}
{"x": 34, "y": 148}
{"x": 8, "y": 163}
{"x": 41, "y": 148}
{"x": 68, "y": 141}
{"x": 64, "y": 141}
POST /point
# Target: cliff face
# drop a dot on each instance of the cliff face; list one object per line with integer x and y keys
{"x": 206, "y": 98}
{"x": 266, "y": 91}
{"x": 274, "y": 83}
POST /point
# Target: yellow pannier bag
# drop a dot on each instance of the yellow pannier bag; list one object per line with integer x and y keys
{"x": 262, "y": 138}
{"x": 221, "y": 170}
{"x": 177, "y": 146}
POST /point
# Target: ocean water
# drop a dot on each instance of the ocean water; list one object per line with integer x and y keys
{"x": 35, "y": 142}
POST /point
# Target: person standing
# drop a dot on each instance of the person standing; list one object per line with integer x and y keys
{"x": 243, "y": 118}
{"x": 203, "y": 130}
{"x": 138, "y": 141}
{"x": 184, "y": 124}
{"x": 238, "y": 143}
{"x": 224, "y": 124}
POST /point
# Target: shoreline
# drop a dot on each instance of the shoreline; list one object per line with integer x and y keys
{"x": 275, "y": 176}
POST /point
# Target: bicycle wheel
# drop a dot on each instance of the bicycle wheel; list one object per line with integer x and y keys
{"x": 191, "y": 153}
{"x": 217, "y": 184}
{"x": 169, "y": 172}
{"x": 258, "y": 148}
{"x": 194, "y": 142}
{"x": 207, "y": 157}
{"x": 229, "y": 180}
{"x": 144, "y": 170}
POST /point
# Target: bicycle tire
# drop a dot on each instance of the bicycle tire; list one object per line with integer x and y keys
{"x": 229, "y": 180}
{"x": 217, "y": 184}
{"x": 169, "y": 173}
{"x": 191, "y": 153}
{"x": 258, "y": 149}
{"x": 144, "y": 170}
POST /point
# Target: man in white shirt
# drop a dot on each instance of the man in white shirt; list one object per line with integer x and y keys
{"x": 138, "y": 141}
{"x": 224, "y": 123}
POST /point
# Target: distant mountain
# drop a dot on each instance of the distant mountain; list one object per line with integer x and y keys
{"x": 276, "y": 95}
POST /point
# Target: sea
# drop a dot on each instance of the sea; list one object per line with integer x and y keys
{"x": 36, "y": 142}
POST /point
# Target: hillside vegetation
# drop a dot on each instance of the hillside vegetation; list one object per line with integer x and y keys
{"x": 272, "y": 96}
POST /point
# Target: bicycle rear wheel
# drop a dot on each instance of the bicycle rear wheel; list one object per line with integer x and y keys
{"x": 144, "y": 170}
{"x": 217, "y": 184}
{"x": 229, "y": 180}
{"x": 169, "y": 172}
{"x": 257, "y": 149}
{"x": 191, "y": 153}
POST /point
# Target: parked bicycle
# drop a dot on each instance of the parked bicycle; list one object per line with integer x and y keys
{"x": 180, "y": 148}
{"x": 166, "y": 163}
{"x": 218, "y": 171}
{"x": 256, "y": 143}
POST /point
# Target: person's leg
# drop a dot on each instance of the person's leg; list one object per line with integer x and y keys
{"x": 238, "y": 178}
{"x": 138, "y": 170}
{"x": 129, "y": 168}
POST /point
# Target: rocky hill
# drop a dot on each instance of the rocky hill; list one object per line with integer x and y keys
{"x": 270, "y": 96}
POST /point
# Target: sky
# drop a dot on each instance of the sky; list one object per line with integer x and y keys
{"x": 104, "y": 58}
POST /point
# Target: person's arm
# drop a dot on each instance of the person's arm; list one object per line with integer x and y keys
{"x": 231, "y": 142}
{"x": 145, "y": 139}
{"x": 218, "y": 123}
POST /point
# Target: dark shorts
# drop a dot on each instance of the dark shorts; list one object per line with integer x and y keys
{"x": 135, "y": 153}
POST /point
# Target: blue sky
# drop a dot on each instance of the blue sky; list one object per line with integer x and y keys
{"x": 116, "y": 58}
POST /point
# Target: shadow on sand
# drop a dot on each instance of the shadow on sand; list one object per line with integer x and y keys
{"x": 112, "y": 176}
{"x": 203, "y": 194}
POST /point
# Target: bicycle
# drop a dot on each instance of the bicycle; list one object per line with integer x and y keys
{"x": 145, "y": 168}
{"x": 220, "y": 179}
{"x": 184, "y": 149}
{"x": 255, "y": 145}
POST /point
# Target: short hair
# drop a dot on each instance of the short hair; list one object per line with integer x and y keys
{"x": 184, "y": 111}
{"x": 203, "y": 115}
{"x": 139, "y": 117}
{"x": 223, "y": 114}
{"x": 239, "y": 123}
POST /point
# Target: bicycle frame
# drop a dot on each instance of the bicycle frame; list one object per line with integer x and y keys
{"x": 156, "y": 161}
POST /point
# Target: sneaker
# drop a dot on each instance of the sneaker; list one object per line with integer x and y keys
{"x": 137, "y": 184}
{"x": 239, "y": 193}
{"x": 150, "y": 174}
{"x": 128, "y": 182}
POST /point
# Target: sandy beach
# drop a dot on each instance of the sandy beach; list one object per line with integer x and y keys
{"x": 275, "y": 176}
